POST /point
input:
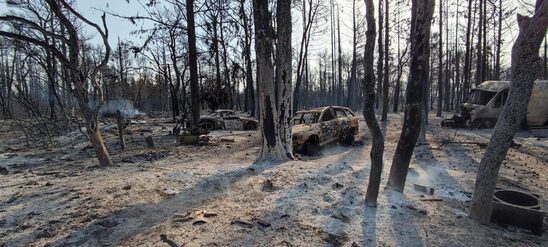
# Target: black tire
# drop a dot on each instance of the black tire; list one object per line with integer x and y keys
{"x": 208, "y": 125}
{"x": 311, "y": 147}
{"x": 347, "y": 137}
{"x": 350, "y": 138}
{"x": 250, "y": 126}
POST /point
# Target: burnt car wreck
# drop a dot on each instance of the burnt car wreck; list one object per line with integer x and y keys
{"x": 486, "y": 103}
{"x": 227, "y": 119}
{"x": 315, "y": 128}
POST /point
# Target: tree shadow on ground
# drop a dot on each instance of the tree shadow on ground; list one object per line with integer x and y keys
{"x": 132, "y": 220}
{"x": 312, "y": 207}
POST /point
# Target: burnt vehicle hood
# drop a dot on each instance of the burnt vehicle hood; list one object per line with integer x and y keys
{"x": 468, "y": 107}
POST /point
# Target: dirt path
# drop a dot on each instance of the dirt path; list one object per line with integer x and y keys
{"x": 59, "y": 197}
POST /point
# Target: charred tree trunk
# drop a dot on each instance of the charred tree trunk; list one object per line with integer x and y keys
{"x": 440, "y": 61}
{"x": 284, "y": 74}
{"x": 380, "y": 58}
{"x": 401, "y": 56}
{"x": 456, "y": 86}
{"x": 499, "y": 43}
{"x": 526, "y": 67}
{"x": 50, "y": 63}
{"x": 333, "y": 83}
{"x": 308, "y": 19}
{"x": 274, "y": 146}
{"x": 193, "y": 65}
{"x": 377, "y": 148}
{"x": 300, "y": 62}
{"x": 178, "y": 78}
{"x": 339, "y": 60}
{"x": 466, "y": 84}
{"x": 448, "y": 54}
{"x": 421, "y": 17}
{"x": 351, "y": 102}
{"x": 220, "y": 90}
{"x": 484, "y": 67}
{"x": 229, "y": 88}
{"x": 479, "y": 59}
{"x": 250, "y": 89}
{"x": 385, "y": 84}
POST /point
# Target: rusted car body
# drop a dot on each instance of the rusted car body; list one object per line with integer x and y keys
{"x": 354, "y": 124}
{"x": 227, "y": 119}
{"x": 315, "y": 128}
{"x": 487, "y": 102}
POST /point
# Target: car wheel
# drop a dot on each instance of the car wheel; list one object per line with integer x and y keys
{"x": 208, "y": 125}
{"x": 350, "y": 138}
{"x": 250, "y": 126}
{"x": 311, "y": 147}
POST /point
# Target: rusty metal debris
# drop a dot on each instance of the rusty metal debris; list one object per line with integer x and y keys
{"x": 227, "y": 119}
{"x": 198, "y": 217}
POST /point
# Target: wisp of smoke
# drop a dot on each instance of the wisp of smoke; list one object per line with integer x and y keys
{"x": 111, "y": 108}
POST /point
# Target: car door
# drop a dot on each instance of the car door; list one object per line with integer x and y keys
{"x": 232, "y": 121}
{"x": 342, "y": 118}
{"x": 328, "y": 125}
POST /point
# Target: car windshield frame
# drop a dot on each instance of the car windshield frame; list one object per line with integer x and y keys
{"x": 481, "y": 97}
{"x": 306, "y": 117}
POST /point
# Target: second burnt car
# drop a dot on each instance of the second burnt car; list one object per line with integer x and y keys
{"x": 227, "y": 119}
{"x": 315, "y": 128}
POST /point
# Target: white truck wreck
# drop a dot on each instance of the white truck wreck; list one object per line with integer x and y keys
{"x": 487, "y": 100}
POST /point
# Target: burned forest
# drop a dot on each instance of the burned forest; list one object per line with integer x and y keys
{"x": 273, "y": 123}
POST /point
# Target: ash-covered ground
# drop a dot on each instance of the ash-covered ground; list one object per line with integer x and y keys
{"x": 58, "y": 196}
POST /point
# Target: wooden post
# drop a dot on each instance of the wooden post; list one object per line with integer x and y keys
{"x": 120, "y": 122}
